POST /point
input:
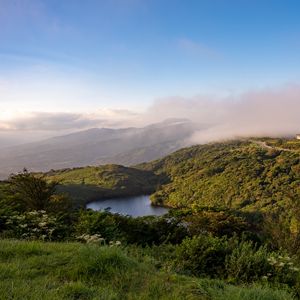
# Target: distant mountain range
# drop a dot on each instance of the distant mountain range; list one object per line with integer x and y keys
{"x": 126, "y": 146}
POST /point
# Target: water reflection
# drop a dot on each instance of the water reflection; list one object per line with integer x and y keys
{"x": 137, "y": 206}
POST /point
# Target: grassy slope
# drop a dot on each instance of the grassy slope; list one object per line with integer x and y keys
{"x": 36, "y": 270}
{"x": 237, "y": 174}
{"x": 90, "y": 183}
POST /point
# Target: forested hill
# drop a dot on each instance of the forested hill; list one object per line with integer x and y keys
{"x": 238, "y": 174}
{"x": 248, "y": 175}
{"x": 94, "y": 183}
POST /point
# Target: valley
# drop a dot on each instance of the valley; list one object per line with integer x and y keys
{"x": 228, "y": 226}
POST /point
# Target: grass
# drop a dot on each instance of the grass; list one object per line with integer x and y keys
{"x": 36, "y": 270}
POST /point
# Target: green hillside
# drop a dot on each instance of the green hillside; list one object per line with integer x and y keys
{"x": 94, "y": 183}
{"x": 235, "y": 232}
{"x": 246, "y": 175}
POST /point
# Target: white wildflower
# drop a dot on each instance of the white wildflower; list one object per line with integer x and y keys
{"x": 42, "y": 224}
{"x": 33, "y": 213}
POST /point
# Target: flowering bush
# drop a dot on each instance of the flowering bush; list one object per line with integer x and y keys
{"x": 91, "y": 238}
{"x": 115, "y": 244}
{"x": 283, "y": 269}
{"x": 33, "y": 225}
{"x": 96, "y": 239}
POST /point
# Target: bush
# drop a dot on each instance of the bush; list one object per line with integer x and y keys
{"x": 35, "y": 225}
{"x": 284, "y": 270}
{"x": 246, "y": 263}
{"x": 202, "y": 255}
{"x": 103, "y": 223}
{"x": 236, "y": 261}
{"x": 142, "y": 231}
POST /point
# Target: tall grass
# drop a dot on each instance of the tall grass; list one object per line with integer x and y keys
{"x": 37, "y": 270}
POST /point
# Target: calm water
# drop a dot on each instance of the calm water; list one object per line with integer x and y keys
{"x": 134, "y": 206}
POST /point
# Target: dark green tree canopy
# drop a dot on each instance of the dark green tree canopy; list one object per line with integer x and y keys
{"x": 33, "y": 191}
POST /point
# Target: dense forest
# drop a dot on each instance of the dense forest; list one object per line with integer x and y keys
{"x": 233, "y": 231}
{"x": 242, "y": 175}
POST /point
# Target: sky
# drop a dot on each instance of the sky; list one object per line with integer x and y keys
{"x": 72, "y": 64}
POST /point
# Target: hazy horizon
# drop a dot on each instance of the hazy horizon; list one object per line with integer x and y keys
{"x": 232, "y": 67}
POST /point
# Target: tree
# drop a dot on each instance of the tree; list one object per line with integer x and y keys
{"x": 34, "y": 191}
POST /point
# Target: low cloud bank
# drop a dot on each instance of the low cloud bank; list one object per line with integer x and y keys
{"x": 269, "y": 112}
{"x": 266, "y": 112}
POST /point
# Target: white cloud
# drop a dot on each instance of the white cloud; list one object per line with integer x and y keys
{"x": 268, "y": 112}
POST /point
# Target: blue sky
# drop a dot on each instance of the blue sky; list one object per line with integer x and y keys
{"x": 73, "y": 55}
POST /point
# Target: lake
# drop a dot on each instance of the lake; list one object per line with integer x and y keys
{"x": 137, "y": 206}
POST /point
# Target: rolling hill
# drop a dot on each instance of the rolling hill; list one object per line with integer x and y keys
{"x": 248, "y": 175}
{"x": 99, "y": 182}
{"x": 97, "y": 146}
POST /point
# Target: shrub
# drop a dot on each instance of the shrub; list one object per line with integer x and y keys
{"x": 103, "y": 223}
{"x": 142, "y": 231}
{"x": 35, "y": 225}
{"x": 202, "y": 255}
{"x": 246, "y": 263}
{"x": 284, "y": 269}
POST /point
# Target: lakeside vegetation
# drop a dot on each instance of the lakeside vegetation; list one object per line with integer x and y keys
{"x": 99, "y": 182}
{"x": 234, "y": 232}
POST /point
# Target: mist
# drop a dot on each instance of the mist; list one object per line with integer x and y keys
{"x": 266, "y": 112}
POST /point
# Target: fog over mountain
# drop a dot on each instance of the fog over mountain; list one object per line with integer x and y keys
{"x": 127, "y": 138}
{"x": 95, "y": 146}
{"x": 269, "y": 111}
{"x": 266, "y": 112}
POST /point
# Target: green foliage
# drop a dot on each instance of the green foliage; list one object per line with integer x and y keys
{"x": 35, "y": 270}
{"x": 283, "y": 228}
{"x": 238, "y": 174}
{"x": 143, "y": 230}
{"x": 103, "y": 223}
{"x": 246, "y": 262}
{"x": 35, "y": 225}
{"x": 8, "y": 205}
{"x": 234, "y": 260}
{"x": 95, "y": 183}
{"x": 285, "y": 143}
{"x": 237, "y": 219}
{"x": 202, "y": 255}
{"x": 34, "y": 192}
{"x": 221, "y": 223}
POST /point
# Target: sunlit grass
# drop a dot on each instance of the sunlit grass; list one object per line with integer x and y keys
{"x": 36, "y": 270}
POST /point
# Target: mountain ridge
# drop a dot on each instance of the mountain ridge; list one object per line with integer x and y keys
{"x": 97, "y": 146}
